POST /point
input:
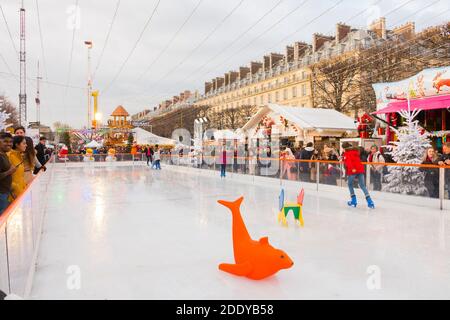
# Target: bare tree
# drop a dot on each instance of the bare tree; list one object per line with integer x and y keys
{"x": 335, "y": 83}
{"x": 7, "y": 106}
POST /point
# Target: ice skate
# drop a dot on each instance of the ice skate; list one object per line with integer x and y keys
{"x": 370, "y": 203}
{"x": 352, "y": 202}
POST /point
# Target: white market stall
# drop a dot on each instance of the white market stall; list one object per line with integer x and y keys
{"x": 94, "y": 144}
{"x": 300, "y": 124}
{"x": 144, "y": 137}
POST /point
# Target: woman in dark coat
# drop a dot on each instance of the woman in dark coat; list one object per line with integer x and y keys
{"x": 431, "y": 174}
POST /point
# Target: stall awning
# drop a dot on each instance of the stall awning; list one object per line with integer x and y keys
{"x": 428, "y": 103}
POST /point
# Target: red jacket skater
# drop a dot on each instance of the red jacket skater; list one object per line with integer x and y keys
{"x": 352, "y": 162}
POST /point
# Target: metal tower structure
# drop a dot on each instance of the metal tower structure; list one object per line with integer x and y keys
{"x": 23, "y": 71}
{"x": 38, "y": 100}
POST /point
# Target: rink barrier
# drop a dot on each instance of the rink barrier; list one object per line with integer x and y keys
{"x": 20, "y": 232}
{"x": 100, "y": 157}
{"x": 317, "y": 167}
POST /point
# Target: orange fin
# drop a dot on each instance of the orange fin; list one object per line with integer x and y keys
{"x": 231, "y": 205}
{"x": 241, "y": 269}
{"x": 264, "y": 240}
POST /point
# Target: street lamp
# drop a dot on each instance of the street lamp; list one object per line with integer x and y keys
{"x": 89, "y": 83}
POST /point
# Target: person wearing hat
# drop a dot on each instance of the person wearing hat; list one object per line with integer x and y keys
{"x": 355, "y": 170}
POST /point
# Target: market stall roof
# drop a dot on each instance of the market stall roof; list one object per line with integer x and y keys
{"x": 93, "y": 144}
{"x": 146, "y": 137}
{"x": 306, "y": 118}
{"x": 427, "y": 103}
{"x": 120, "y": 112}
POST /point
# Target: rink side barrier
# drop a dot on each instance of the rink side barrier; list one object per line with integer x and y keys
{"x": 20, "y": 232}
{"x": 318, "y": 172}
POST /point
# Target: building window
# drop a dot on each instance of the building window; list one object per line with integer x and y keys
{"x": 269, "y": 98}
{"x": 254, "y": 100}
{"x": 303, "y": 89}
{"x": 294, "y": 77}
{"x": 294, "y": 92}
{"x": 276, "y": 96}
{"x": 303, "y": 74}
{"x": 261, "y": 99}
{"x": 285, "y": 94}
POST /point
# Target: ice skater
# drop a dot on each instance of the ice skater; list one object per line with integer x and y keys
{"x": 156, "y": 158}
{"x": 355, "y": 170}
{"x": 223, "y": 162}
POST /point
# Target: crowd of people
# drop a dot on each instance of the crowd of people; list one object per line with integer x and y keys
{"x": 20, "y": 161}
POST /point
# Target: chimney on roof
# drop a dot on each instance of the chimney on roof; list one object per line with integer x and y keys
{"x": 255, "y": 66}
{"x": 406, "y": 31}
{"x": 233, "y": 76}
{"x": 208, "y": 87}
{"x": 243, "y": 71}
{"x": 275, "y": 58}
{"x": 299, "y": 50}
{"x": 187, "y": 94}
{"x": 266, "y": 63}
{"x": 341, "y": 31}
{"x": 319, "y": 40}
{"x": 379, "y": 27}
{"x": 218, "y": 82}
{"x": 289, "y": 54}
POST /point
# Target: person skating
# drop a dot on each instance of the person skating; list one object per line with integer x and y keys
{"x": 157, "y": 158}
{"x": 355, "y": 170}
{"x": 223, "y": 162}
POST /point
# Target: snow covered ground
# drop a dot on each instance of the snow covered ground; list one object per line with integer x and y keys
{"x": 128, "y": 232}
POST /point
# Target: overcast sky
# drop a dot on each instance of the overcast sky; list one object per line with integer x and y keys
{"x": 203, "y": 48}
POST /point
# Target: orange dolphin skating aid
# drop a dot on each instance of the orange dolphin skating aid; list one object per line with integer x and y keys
{"x": 253, "y": 259}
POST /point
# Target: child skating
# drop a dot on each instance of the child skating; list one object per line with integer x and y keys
{"x": 355, "y": 170}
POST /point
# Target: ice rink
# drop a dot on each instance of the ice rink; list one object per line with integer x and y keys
{"x": 129, "y": 232}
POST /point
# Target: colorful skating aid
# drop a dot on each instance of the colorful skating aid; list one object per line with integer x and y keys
{"x": 255, "y": 260}
{"x": 296, "y": 209}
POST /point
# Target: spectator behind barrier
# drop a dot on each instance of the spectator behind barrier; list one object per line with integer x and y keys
{"x": 6, "y": 170}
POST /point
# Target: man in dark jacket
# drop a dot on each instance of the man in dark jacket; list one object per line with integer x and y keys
{"x": 306, "y": 154}
{"x": 41, "y": 151}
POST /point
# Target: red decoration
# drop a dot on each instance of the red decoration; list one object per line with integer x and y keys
{"x": 394, "y": 119}
{"x": 363, "y": 125}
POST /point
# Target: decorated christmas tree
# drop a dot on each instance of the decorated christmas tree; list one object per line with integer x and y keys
{"x": 409, "y": 149}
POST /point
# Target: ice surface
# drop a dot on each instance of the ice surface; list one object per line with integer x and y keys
{"x": 136, "y": 233}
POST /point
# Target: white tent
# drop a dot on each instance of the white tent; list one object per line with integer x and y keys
{"x": 303, "y": 122}
{"x": 145, "y": 137}
{"x": 94, "y": 144}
